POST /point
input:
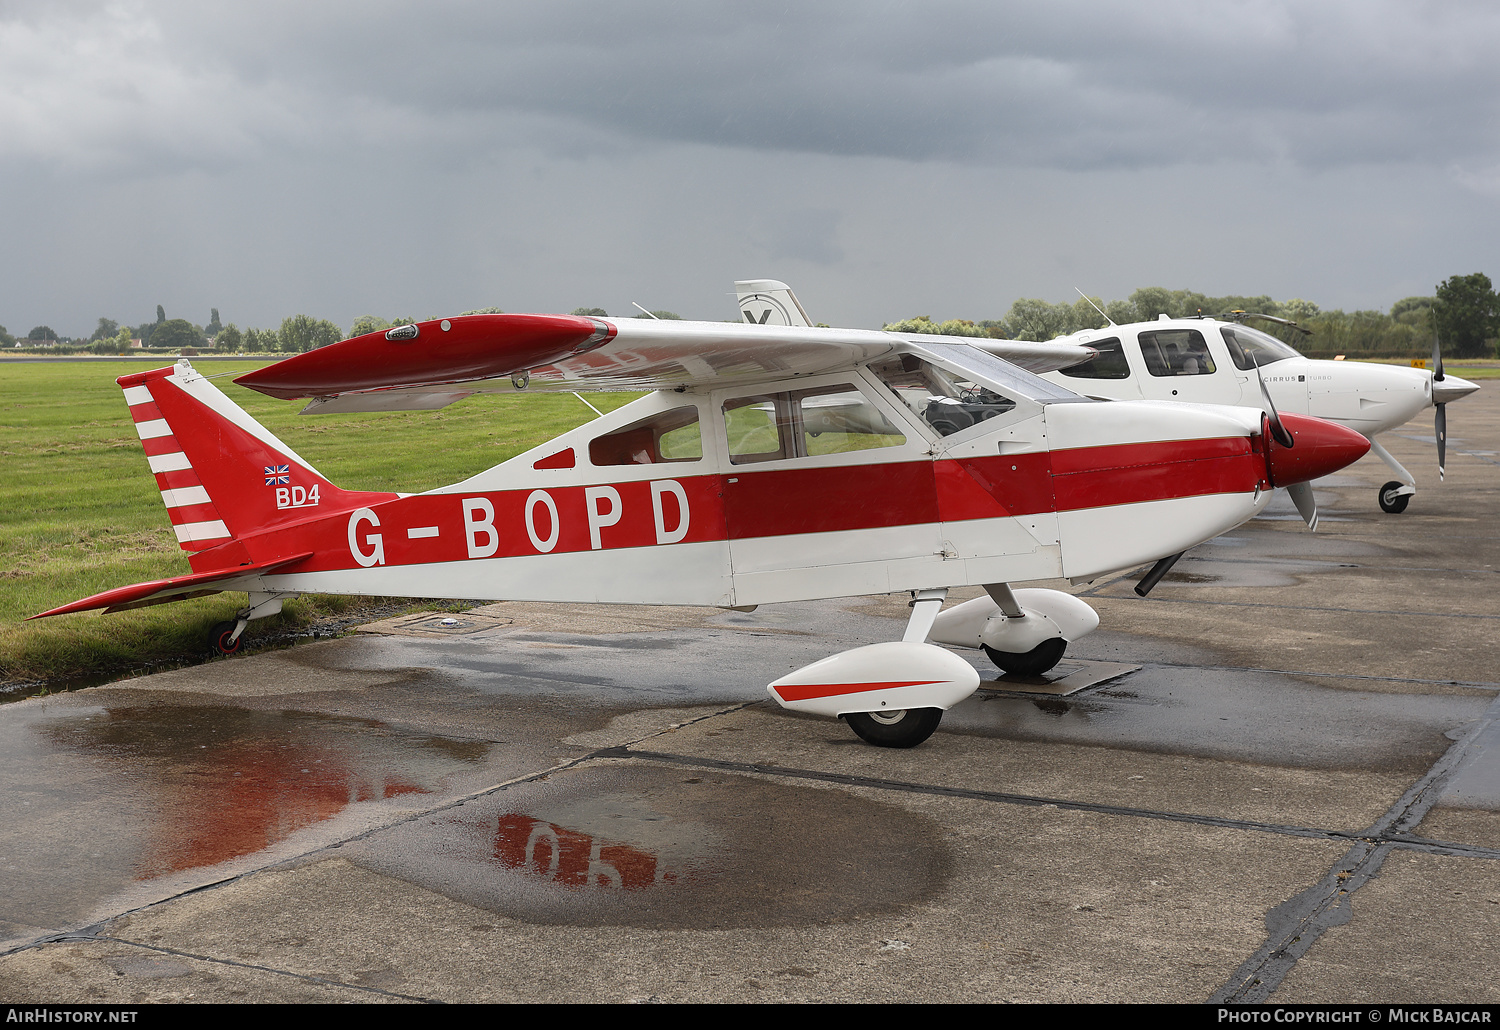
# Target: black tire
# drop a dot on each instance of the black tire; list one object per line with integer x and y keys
{"x": 1029, "y": 663}
{"x": 218, "y": 638}
{"x": 1391, "y": 502}
{"x": 905, "y": 727}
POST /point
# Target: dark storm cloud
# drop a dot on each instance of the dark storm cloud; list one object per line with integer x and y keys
{"x": 339, "y": 158}
{"x": 1074, "y": 85}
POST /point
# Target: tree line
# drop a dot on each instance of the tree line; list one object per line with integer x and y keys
{"x": 295, "y": 334}
{"x": 1463, "y": 312}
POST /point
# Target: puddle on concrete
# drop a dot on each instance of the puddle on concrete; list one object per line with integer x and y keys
{"x": 662, "y": 847}
{"x": 224, "y": 782}
{"x": 437, "y": 624}
{"x": 1264, "y": 718}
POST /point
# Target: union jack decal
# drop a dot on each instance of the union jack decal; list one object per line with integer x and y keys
{"x": 278, "y": 474}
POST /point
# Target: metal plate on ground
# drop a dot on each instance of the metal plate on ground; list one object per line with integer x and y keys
{"x": 1067, "y": 677}
{"x": 436, "y": 624}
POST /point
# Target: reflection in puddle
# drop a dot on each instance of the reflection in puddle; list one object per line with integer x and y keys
{"x": 226, "y": 782}
{"x": 574, "y": 859}
{"x": 644, "y": 845}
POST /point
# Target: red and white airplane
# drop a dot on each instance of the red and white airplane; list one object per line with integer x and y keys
{"x": 767, "y": 463}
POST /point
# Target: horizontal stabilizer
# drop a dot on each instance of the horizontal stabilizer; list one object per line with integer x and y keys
{"x": 179, "y": 588}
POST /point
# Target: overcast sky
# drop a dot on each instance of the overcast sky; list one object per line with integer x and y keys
{"x": 885, "y": 159}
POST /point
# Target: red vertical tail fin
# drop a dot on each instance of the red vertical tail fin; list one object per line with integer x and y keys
{"x": 223, "y": 475}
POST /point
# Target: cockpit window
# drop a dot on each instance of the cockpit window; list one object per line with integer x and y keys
{"x": 758, "y": 428}
{"x": 1176, "y": 352}
{"x": 1250, "y": 347}
{"x": 666, "y": 436}
{"x": 805, "y": 424}
{"x": 840, "y": 418}
{"x": 940, "y": 398}
{"x": 1110, "y": 364}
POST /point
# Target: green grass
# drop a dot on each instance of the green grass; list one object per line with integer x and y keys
{"x": 80, "y": 511}
{"x": 1466, "y": 368}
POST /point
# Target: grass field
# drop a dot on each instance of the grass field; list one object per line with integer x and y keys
{"x": 1467, "y": 368}
{"x": 80, "y": 511}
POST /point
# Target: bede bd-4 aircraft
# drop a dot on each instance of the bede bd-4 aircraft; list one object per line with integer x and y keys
{"x": 768, "y": 463}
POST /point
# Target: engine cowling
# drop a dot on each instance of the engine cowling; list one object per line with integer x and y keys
{"x": 1321, "y": 448}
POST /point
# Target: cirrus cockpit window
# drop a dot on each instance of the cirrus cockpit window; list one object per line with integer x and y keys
{"x": 1109, "y": 363}
{"x": 1251, "y": 347}
{"x": 1176, "y": 352}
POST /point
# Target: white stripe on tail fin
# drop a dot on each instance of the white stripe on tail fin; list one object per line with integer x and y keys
{"x": 222, "y": 475}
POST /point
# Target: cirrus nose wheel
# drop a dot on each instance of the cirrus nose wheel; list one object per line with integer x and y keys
{"x": 1392, "y": 501}
{"x": 906, "y": 727}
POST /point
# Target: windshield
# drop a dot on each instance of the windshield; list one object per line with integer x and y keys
{"x": 944, "y": 401}
{"x": 1250, "y": 347}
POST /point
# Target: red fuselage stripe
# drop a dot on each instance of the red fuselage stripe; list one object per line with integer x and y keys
{"x": 750, "y": 504}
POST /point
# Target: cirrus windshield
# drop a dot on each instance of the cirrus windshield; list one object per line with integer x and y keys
{"x": 1250, "y": 347}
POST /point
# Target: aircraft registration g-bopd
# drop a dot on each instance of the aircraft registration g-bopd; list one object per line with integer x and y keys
{"x": 1210, "y": 361}
{"x": 767, "y": 463}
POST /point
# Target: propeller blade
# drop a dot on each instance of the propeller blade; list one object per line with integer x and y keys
{"x": 1307, "y": 507}
{"x": 1278, "y": 430}
{"x": 1440, "y": 421}
{"x": 1440, "y": 430}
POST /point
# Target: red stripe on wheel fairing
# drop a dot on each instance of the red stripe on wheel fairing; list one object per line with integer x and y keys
{"x": 804, "y": 692}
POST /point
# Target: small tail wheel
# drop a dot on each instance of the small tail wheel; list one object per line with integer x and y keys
{"x": 1029, "y": 663}
{"x": 905, "y": 727}
{"x": 219, "y": 638}
{"x": 1391, "y": 502}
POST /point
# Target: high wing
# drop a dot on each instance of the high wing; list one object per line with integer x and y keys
{"x": 434, "y": 363}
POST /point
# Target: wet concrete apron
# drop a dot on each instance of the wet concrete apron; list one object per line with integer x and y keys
{"x": 1285, "y": 788}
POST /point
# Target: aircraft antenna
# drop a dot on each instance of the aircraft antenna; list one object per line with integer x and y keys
{"x": 1096, "y": 307}
{"x": 647, "y": 312}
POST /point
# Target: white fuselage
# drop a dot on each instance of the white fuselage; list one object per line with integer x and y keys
{"x": 1368, "y": 398}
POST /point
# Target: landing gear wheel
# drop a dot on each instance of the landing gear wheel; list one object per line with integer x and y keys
{"x": 1391, "y": 502}
{"x": 1029, "y": 663}
{"x": 218, "y": 638}
{"x": 905, "y": 727}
